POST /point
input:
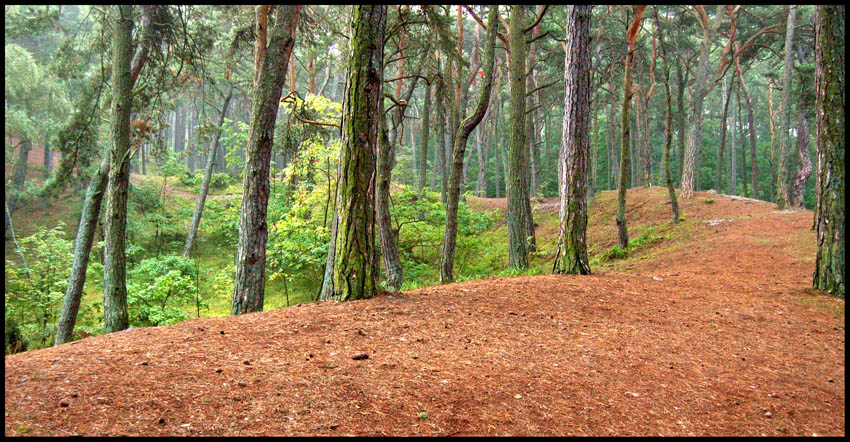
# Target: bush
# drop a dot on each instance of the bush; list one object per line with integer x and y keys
{"x": 220, "y": 181}
{"x": 34, "y": 294}
{"x": 159, "y": 288}
{"x": 145, "y": 196}
{"x": 191, "y": 180}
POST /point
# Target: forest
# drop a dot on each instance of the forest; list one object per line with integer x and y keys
{"x": 361, "y": 216}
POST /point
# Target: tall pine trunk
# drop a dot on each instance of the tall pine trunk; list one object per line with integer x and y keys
{"x": 271, "y": 68}
{"x": 205, "y": 183}
{"x": 622, "y": 229}
{"x": 668, "y": 124}
{"x": 423, "y": 144}
{"x": 783, "y": 199}
{"x": 829, "y": 54}
{"x": 82, "y": 251}
{"x": 352, "y": 266}
{"x": 571, "y": 256}
{"x": 721, "y": 147}
{"x": 115, "y": 265}
{"x": 517, "y": 188}
{"x": 459, "y": 149}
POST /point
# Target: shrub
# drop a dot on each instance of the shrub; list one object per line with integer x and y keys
{"x": 34, "y": 293}
{"x": 159, "y": 288}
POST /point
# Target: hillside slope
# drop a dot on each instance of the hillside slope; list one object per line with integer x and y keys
{"x": 713, "y": 331}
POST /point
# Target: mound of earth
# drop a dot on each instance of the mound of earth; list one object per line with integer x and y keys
{"x": 717, "y": 336}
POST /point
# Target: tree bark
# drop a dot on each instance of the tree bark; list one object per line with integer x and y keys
{"x": 355, "y": 267}
{"x": 733, "y": 157}
{"x": 631, "y": 34}
{"x": 388, "y": 236}
{"x": 750, "y": 123}
{"x": 830, "y": 77}
{"x": 114, "y": 266}
{"x": 249, "y": 283}
{"x": 205, "y": 183}
{"x": 782, "y": 179}
{"x": 517, "y": 188}
{"x": 19, "y": 177}
{"x": 681, "y": 114}
{"x": 82, "y": 251}
{"x": 805, "y": 163}
{"x": 668, "y": 124}
{"x": 423, "y": 144}
{"x": 721, "y": 147}
{"x": 459, "y": 149}
{"x": 695, "y": 135}
{"x": 385, "y": 162}
{"x": 571, "y": 257}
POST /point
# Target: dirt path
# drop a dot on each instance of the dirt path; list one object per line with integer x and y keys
{"x": 721, "y": 336}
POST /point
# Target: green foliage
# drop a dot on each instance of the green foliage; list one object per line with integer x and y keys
{"x": 158, "y": 288}
{"x": 34, "y": 294}
{"x": 221, "y": 220}
{"x": 145, "y": 197}
{"x": 35, "y": 102}
{"x": 642, "y": 241}
{"x": 420, "y": 223}
{"x": 220, "y": 181}
{"x": 234, "y": 138}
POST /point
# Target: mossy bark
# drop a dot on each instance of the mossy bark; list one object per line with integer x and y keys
{"x": 82, "y": 251}
{"x": 459, "y": 149}
{"x": 668, "y": 123}
{"x": 572, "y": 257}
{"x": 354, "y": 271}
{"x": 250, "y": 281}
{"x": 115, "y": 265}
{"x": 829, "y": 50}
{"x": 622, "y": 228}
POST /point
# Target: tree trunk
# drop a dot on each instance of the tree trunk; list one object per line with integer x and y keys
{"x": 355, "y": 267}
{"x": 622, "y": 229}
{"x": 19, "y": 177}
{"x": 772, "y": 126}
{"x": 743, "y": 142}
{"x": 783, "y": 199}
{"x": 733, "y": 157}
{"x": 691, "y": 167}
{"x": 249, "y": 283}
{"x": 481, "y": 182}
{"x": 750, "y": 124}
{"x": 385, "y": 162}
{"x": 205, "y": 183}
{"x": 459, "y": 148}
{"x": 388, "y": 236}
{"x": 805, "y": 163}
{"x": 517, "y": 189}
{"x": 721, "y": 147}
{"x": 82, "y": 251}
{"x": 114, "y": 266}
{"x": 830, "y": 74}
{"x": 571, "y": 257}
{"x": 668, "y": 124}
{"x": 681, "y": 114}
{"x": 423, "y": 144}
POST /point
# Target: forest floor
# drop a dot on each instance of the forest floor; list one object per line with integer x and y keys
{"x": 715, "y": 334}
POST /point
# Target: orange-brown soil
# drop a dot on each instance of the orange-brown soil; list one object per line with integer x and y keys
{"x": 716, "y": 335}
